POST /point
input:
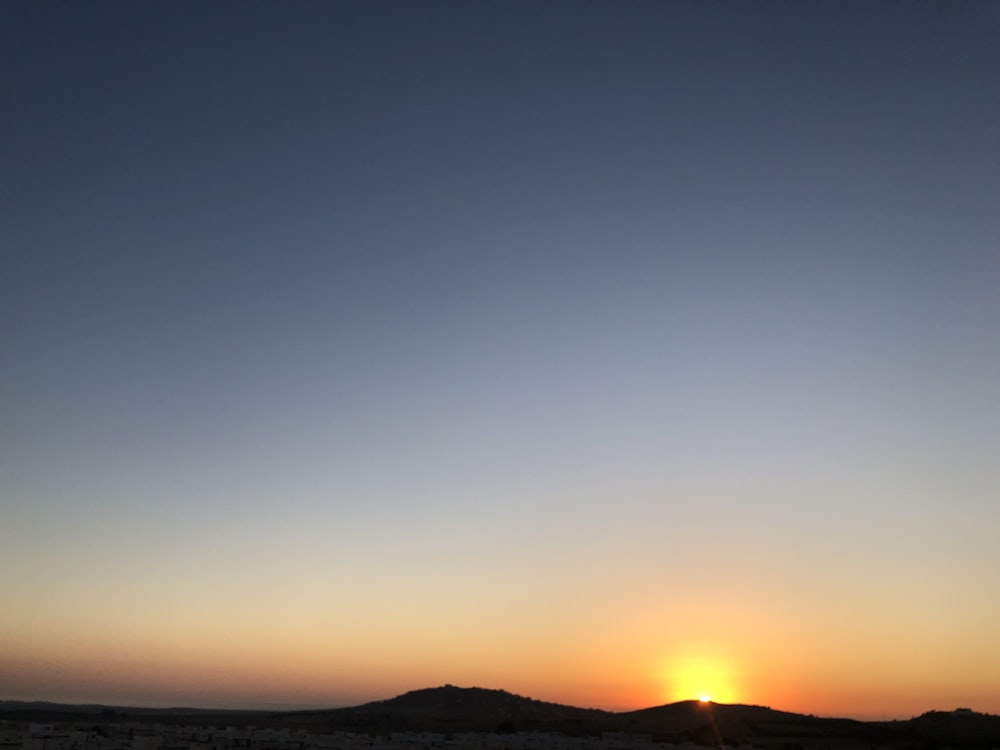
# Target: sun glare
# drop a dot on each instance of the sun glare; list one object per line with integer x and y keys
{"x": 701, "y": 679}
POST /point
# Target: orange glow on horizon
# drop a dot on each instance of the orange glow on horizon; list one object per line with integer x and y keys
{"x": 704, "y": 679}
{"x": 738, "y": 655}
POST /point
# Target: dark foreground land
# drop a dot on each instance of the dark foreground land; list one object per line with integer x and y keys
{"x": 448, "y": 710}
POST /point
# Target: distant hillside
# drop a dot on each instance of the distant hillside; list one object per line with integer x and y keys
{"x": 733, "y": 724}
{"x": 961, "y": 728}
{"x": 477, "y": 702}
{"x": 73, "y": 712}
{"x": 451, "y": 708}
{"x": 684, "y": 712}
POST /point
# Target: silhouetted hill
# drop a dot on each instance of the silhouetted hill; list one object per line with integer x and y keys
{"x": 476, "y": 702}
{"x": 730, "y": 724}
{"x": 684, "y": 712}
{"x": 961, "y": 728}
{"x": 451, "y": 708}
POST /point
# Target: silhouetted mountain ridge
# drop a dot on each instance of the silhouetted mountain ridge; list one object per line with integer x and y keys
{"x": 449, "y": 709}
{"x": 475, "y": 701}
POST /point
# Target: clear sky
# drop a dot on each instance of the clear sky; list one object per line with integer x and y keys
{"x": 610, "y": 353}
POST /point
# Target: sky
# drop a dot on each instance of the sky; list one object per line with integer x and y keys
{"x": 609, "y": 353}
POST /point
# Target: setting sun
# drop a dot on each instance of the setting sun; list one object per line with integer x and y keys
{"x": 703, "y": 679}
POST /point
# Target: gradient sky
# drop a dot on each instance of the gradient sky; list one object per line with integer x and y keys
{"x": 607, "y": 353}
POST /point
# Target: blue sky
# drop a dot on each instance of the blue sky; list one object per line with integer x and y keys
{"x": 461, "y": 298}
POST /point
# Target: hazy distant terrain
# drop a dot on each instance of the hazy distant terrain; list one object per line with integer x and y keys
{"x": 451, "y": 709}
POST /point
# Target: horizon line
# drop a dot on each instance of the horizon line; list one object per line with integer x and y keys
{"x": 293, "y": 707}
